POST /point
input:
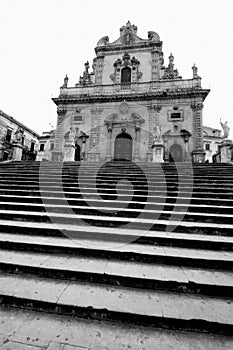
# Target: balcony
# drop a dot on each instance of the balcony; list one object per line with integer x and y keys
{"x": 108, "y": 90}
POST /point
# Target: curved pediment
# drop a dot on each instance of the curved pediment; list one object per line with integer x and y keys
{"x": 129, "y": 118}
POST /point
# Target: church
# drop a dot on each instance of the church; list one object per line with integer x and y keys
{"x": 128, "y": 102}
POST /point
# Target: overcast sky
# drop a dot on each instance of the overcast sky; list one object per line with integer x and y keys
{"x": 42, "y": 40}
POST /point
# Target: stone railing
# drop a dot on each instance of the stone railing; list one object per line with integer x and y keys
{"x": 131, "y": 87}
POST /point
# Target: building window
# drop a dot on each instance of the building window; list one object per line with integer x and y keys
{"x": 32, "y": 146}
{"x": 78, "y": 118}
{"x": 8, "y": 135}
{"x": 175, "y": 115}
{"x": 51, "y": 146}
{"x": 23, "y": 138}
{"x": 207, "y": 147}
{"x": 126, "y": 75}
{"x": 42, "y": 147}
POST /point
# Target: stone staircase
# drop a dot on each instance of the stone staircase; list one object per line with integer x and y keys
{"x": 146, "y": 244}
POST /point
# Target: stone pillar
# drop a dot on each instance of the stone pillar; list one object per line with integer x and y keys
{"x": 137, "y": 143}
{"x": 17, "y": 152}
{"x": 155, "y": 65}
{"x": 198, "y": 153}
{"x": 154, "y": 111}
{"x": 109, "y": 143}
{"x": 57, "y": 153}
{"x": 158, "y": 152}
{"x": 99, "y": 70}
{"x": 226, "y": 151}
{"x": 166, "y": 151}
{"x": 94, "y": 145}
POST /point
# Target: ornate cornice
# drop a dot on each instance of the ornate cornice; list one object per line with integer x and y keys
{"x": 134, "y": 96}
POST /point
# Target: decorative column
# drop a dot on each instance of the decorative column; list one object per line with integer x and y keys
{"x": 166, "y": 152}
{"x": 198, "y": 153}
{"x": 109, "y": 143}
{"x": 99, "y": 69}
{"x": 94, "y": 145}
{"x": 155, "y": 66}
{"x": 57, "y": 153}
{"x": 153, "y": 119}
{"x": 137, "y": 143}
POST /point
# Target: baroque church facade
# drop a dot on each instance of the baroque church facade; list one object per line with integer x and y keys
{"x": 129, "y": 102}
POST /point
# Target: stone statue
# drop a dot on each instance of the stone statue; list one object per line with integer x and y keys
{"x": 72, "y": 134}
{"x": 194, "y": 68}
{"x": 157, "y": 134}
{"x": 226, "y": 128}
{"x": 18, "y": 136}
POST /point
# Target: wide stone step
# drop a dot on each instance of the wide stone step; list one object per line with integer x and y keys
{"x": 120, "y": 273}
{"x": 110, "y": 210}
{"x": 110, "y": 216}
{"x": 112, "y": 192}
{"x": 62, "y": 205}
{"x": 58, "y": 197}
{"x": 120, "y": 250}
{"x": 187, "y": 240}
{"x": 112, "y": 187}
{"x": 154, "y": 308}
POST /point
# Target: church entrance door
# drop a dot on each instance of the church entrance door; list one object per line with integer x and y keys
{"x": 175, "y": 154}
{"x": 77, "y": 153}
{"x": 123, "y": 147}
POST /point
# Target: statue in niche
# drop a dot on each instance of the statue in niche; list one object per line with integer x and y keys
{"x": 157, "y": 134}
{"x": 225, "y": 128}
{"x": 72, "y": 134}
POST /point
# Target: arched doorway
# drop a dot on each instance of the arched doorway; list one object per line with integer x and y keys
{"x": 77, "y": 153}
{"x": 126, "y": 75}
{"x": 175, "y": 153}
{"x": 123, "y": 147}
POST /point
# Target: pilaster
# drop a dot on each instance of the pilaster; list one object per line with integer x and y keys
{"x": 57, "y": 153}
{"x": 198, "y": 124}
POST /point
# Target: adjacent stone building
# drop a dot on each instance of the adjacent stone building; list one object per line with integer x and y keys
{"x": 212, "y": 138}
{"x": 17, "y": 141}
{"x": 130, "y": 102}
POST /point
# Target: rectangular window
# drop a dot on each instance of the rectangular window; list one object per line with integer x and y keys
{"x": 42, "y": 147}
{"x": 8, "y": 135}
{"x": 176, "y": 115}
{"x": 32, "y": 146}
{"x": 78, "y": 118}
{"x": 51, "y": 146}
{"x": 207, "y": 146}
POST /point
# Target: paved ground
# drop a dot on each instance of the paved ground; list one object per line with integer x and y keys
{"x": 28, "y": 330}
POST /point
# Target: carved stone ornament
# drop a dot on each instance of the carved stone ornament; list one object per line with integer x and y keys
{"x": 126, "y": 61}
{"x": 155, "y": 108}
{"x": 61, "y": 110}
{"x": 170, "y": 72}
{"x": 153, "y": 36}
{"x": 128, "y": 33}
{"x": 86, "y": 78}
{"x": 103, "y": 41}
{"x": 197, "y": 106}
